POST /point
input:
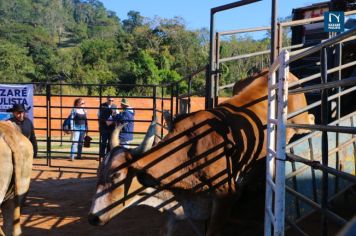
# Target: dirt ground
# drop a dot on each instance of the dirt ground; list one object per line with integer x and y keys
{"x": 59, "y": 201}
{"x": 60, "y": 197}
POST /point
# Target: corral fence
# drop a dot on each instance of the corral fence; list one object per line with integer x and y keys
{"x": 53, "y": 102}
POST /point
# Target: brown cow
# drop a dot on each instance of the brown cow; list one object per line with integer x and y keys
{"x": 15, "y": 173}
{"x": 207, "y": 157}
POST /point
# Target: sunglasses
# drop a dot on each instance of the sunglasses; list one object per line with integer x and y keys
{"x": 111, "y": 100}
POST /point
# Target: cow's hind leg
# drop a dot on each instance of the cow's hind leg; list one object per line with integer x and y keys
{"x": 11, "y": 215}
{"x": 220, "y": 213}
{"x": 172, "y": 220}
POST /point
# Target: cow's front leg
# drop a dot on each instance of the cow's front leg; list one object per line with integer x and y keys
{"x": 11, "y": 214}
{"x": 1, "y": 232}
{"x": 220, "y": 213}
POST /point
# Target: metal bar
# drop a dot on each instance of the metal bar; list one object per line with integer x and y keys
{"x": 177, "y": 99}
{"x": 326, "y": 43}
{"x": 324, "y": 138}
{"x": 337, "y": 219}
{"x": 244, "y": 56}
{"x": 232, "y": 5}
{"x": 351, "y": 81}
{"x": 295, "y": 186}
{"x": 271, "y": 183}
{"x": 189, "y": 92}
{"x": 271, "y": 152}
{"x": 303, "y": 168}
{"x": 273, "y": 121}
{"x": 274, "y": 34}
{"x": 101, "y": 158}
{"x": 316, "y": 165}
{"x": 247, "y": 30}
{"x": 309, "y": 78}
{"x": 48, "y": 132}
{"x": 279, "y": 207}
{"x": 315, "y": 104}
{"x": 154, "y": 111}
{"x": 338, "y": 111}
{"x": 326, "y": 128}
{"x": 162, "y": 107}
{"x": 172, "y": 102}
{"x": 217, "y": 68}
{"x": 294, "y": 226}
{"x": 311, "y": 151}
{"x": 61, "y": 104}
{"x": 271, "y": 145}
{"x": 354, "y": 143}
{"x": 310, "y": 135}
{"x": 210, "y": 75}
{"x": 310, "y": 20}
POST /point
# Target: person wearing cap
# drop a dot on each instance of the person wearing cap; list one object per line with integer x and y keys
{"x": 126, "y": 117}
{"x": 106, "y": 111}
{"x": 25, "y": 124}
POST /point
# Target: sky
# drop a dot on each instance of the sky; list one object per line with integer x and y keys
{"x": 196, "y": 13}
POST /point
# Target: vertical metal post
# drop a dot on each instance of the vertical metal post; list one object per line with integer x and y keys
{"x": 48, "y": 120}
{"x": 61, "y": 105}
{"x": 271, "y": 145}
{"x": 209, "y": 96}
{"x": 280, "y": 39}
{"x": 324, "y": 138}
{"x": 217, "y": 67}
{"x": 162, "y": 109}
{"x": 189, "y": 92}
{"x": 338, "y": 112}
{"x": 279, "y": 206}
{"x": 274, "y": 36}
{"x": 154, "y": 115}
{"x": 172, "y": 97}
{"x": 100, "y": 128}
{"x": 177, "y": 99}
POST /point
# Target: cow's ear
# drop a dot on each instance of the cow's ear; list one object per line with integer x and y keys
{"x": 147, "y": 180}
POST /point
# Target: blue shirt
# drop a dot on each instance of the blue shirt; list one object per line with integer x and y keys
{"x": 126, "y": 117}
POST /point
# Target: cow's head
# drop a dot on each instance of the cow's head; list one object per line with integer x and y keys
{"x": 116, "y": 179}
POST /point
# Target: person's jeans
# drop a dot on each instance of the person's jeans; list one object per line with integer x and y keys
{"x": 77, "y": 141}
{"x": 105, "y": 136}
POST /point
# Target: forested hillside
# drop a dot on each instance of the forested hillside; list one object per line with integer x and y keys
{"x": 80, "y": 41}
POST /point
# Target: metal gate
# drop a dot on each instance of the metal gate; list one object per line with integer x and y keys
{"x": 277, "y": 156}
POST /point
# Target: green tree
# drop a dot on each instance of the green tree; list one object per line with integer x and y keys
{"x": 15, "y": 65}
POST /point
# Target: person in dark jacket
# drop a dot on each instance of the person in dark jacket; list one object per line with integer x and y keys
{"x": 107, "y": 111}
{"x": 126, "y": 117}
{"x": 25, "y": 124}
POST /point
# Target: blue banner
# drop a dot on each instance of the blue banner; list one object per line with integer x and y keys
{"x": 13, "y": 94}
{"x": 334, "y": 21}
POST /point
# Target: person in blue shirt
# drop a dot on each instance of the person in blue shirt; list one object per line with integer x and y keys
{"x": 125, "y": 117}
{"x": 79, "y": 123}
